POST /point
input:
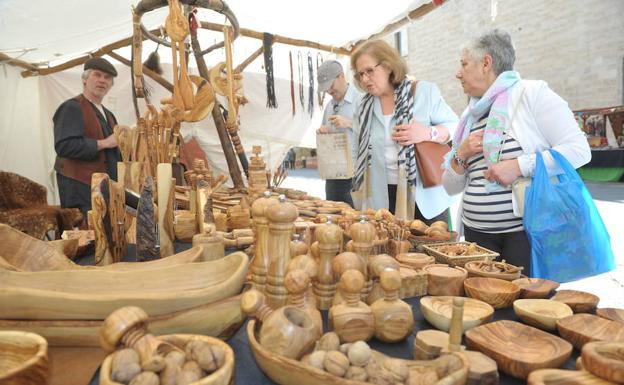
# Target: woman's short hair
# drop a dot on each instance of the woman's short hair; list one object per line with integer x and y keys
{"x": 496, "y": 43}
{"x": 386, "y": 55}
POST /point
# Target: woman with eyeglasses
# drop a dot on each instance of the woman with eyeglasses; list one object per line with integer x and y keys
{"x": 507, "y": 121}
{"x": 395, "y": 113}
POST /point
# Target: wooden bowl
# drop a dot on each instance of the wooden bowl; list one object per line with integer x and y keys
{"x": 605, "y": 360}
{"x": 415, "y": 261}
{"x": 500, "y": 270}
{"x": 222, "y": 376}
{"x": 497, "y": 292}
{"x": 23, "y": 358}
{"x": 611, "y": 313}
{"x": 535, "y": 287}
{"x": 582, "y": 328}
{"x": 541, "y": 313}
{"x": 518, "y": 349}
{"x": 564, "y": 377}
{"x": 438, "y": 310}
{"x": 579, "y": 301}
{"x": 445, "y": 280}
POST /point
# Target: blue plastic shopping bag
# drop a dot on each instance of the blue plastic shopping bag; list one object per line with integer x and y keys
{"x": 568, "y": 238}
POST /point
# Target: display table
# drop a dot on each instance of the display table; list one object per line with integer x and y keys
{"x": 605, "y": 166}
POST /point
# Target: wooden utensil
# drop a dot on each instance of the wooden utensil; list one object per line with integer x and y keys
{"x": 611, "y": 313}
{"x": 582, "y": 328}
{"x": 535, "y": 287}
{"x": 541, "y": 313}
{"x": 605, "y": 360}
{"x": 564, "y": 377}
{"x": 579, "y": 301}
{"x": 23, "y": 358}
{"x": 497, "y": 292}
{"x": 438, "y": 310}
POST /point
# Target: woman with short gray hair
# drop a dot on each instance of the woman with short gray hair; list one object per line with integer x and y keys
{"x": 507, "y": 122}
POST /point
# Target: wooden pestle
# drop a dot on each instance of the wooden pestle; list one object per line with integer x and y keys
{"x": 394, "y": 319}
{"x": 352, "y": 320}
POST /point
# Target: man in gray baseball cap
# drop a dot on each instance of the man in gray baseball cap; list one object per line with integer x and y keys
{"x": 337, "y": 118}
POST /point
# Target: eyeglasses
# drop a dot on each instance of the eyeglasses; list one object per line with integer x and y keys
{"x": 367, "y": 72}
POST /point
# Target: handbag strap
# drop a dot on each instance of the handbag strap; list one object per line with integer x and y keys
{"x": 511, "y": 118}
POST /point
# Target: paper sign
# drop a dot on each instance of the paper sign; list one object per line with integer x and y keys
{"x": 334, "y": 156}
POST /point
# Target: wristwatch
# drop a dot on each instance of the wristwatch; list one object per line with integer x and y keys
{"x": 434, "y": 133}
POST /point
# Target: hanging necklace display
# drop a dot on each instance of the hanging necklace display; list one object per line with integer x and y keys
{"x": 321, "y": 95}
{"x": 311, "y": 89}
{"x": 267, "y": 41}
{"x": 292, "y": 83}
{"x": 300, "y": 68}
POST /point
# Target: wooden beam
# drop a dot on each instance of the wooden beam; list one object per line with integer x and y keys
{"x": 16, "y": 62}
{"x": 279, "y": 39}
{"x": 159, "y": 79}
{"x": 248, "y": 61}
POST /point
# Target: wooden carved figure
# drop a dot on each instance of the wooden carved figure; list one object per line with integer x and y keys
{"x": 260, "y": 262}
{"x": 297, "y": 283}
{"x": 363, "y": 234}
{"x": 329, "y": 238}
{"x": 394, "y": 319}
{"x": 352, "y": 320}
{"x": 281, "y": 216}
{"x": 287, "y": 331}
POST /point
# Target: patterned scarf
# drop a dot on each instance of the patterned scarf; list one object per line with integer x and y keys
{"x": 495, "y": 99}
{"x": 403, "y": 113}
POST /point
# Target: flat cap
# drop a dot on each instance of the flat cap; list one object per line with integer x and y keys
{"x": 99, "y": 63}
{"x": 327, "y": 73}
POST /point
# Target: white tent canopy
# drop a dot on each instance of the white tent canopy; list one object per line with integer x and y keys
{"x": 53, "y": 32}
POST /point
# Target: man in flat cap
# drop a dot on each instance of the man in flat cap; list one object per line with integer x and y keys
{"x": 338, "y": 117}
{"x": 83, "y": 137}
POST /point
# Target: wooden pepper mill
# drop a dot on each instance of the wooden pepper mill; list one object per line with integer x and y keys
{"x": 281, "y": 216}
{"x": 329, "y": 238}
{"x": 260, "y": 261}
{"x": 342, "y": 262}
{"x": 308, "y": 264}
{"x": 287, "y": 331}
{"x": 352, "y": 320}
{"x": 297, "y": 246}
{"x": 127, "y": 327}
{"x": 394, "y": 319}
{"x": 297, "y": 283}
{"x": 362, "y": 236}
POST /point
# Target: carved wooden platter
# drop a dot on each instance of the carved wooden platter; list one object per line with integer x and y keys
{"x": 564, "y": 377}
{"x": 437, "y": 310}
{"x": 497, "y": 292}
{"x": 604, "y": 359}
{"x": 518, "y": 349}
{"x": 535, "y": 287}
{"x": 23, "y": 358}
{"x": 611, "y": 313}
{"x": 541, "y": 313}
{"x": 579, "y": 301}
{"x": 582, "y": 328}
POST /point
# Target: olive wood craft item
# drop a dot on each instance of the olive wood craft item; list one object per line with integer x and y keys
{"x": 89, "y": 293}
{"x": 23, "y": 359}
{"x": 497, "y": 292}
{"x": 86, "y": 238}
{"x": 362, "y": 234}
{"x": 287, "y": 331}
{"x": 297, "y": 246}
{"x": 428, "y": 344}
{"x": 450, "y": 369}
{"x": 165, "y": 209}
{"x": 260, "y": 262}
{"x": 342, "y": 262}
{"x": 100, "y": 214}
{"x": 535, "y": 287}
{"x": 564, "y": 377}
{"x": 203, "y": 207}
{"x": 579, "y": 301}
{"x": 492, "y": 269}
{"x": 281, "y": 216}
{"x": 69, "y": 247}
{"x": 146, "y": 224}
{"x": 184, "y": 225}
{"x": 415, "y": 261}
{"x": 116, "y": 210}
{"x": 445, "y": 279}
{"x": 297, "y": 283}
{"x": 518, "y": 349}
{"x": 541, "y": 313}
{"x": 352, "y": 320}
{"x": 605, "y": 360}
{"x": 131, "y": 175}
{"x": 212, "y": 245}
{"x": 413, "y": 283}
{"x": 482, "y": 369}
{"x": 582, "y": 328}
{"x": 377, "y": 264}
{"x": 394, "y": 319}
{"x": 458, "y": 253}
{"x": 438, "y": 311}
{"x": 455, "y": 331}
{"x": 329, "y": 237}
{"x": 611, "y": 313}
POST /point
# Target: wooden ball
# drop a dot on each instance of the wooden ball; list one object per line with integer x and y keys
{"x": 351, "y": 281}
{"x": 336, "y": 363}
{"x": 390, "y": 280}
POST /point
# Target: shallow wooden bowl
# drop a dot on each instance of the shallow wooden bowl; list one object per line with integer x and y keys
{"x": 445, "y": 280}
{"x": 518, "y": 349}
{"x": 222, "y": 376}
{"x": 564, "y": 377}
{"x": 438, "y": 311}
{"x": 541, "y": 313}
{"x": 497, "y": 292}
{"x": 611, "y": 313}
{"x": 582, "y": 328}
{"x": 23, "y": 358}
{"x": 605, "y": 360}
{"x": 579, "y": 301}
{"x": 535, "y": 287}
{"x": 415, "y": 261}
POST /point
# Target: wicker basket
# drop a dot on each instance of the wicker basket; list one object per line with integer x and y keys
{"x": 418, "y": 241}
{"x": 457, "y": 260}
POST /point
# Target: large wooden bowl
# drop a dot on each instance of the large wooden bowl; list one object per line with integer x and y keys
{"x": 611, "y": 313}
{"x": 605, "y": 360}
{"x": 564, "y": 377}
{"x": 445, "y": 280}
{"x": 222, "y": 376}
{"x": 497, "y": 292}
{"x": 535, "y": 287}
{"x": 582, "y": 328}
{"x": 438, "y": 311}
{"x": 541, "y": 313}
{"x": 23, "y": 358}
{"x": 579, "y": 301}
{"x": 415, "y": 261}
{"x": 518, "y": 349}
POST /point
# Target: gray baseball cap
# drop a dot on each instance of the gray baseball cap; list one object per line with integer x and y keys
{"x": 327, "y": 73}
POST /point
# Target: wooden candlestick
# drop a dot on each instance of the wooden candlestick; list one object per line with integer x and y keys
{"x": 287, "y": 331}
{"x": 329, "y": 238}
{"x": 352, "y": 320}
{"x": 260, "y": 262}
{"x": 281, "y": 216}
{"x": 297, "y": 283}
{"x": 362, "y": 236}
{"x": 394, "y": 319}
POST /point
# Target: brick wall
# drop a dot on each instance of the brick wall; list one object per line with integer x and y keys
{"x": 577, "y": 46}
